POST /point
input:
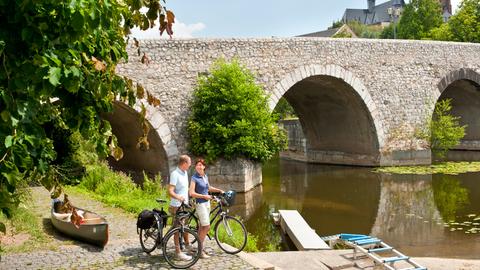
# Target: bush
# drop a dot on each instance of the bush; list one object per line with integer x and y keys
{"x": 443, "y": 131}
{"x": 230, "y": 116}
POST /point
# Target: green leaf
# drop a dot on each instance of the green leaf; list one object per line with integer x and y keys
{"x": 26, "y": 33}
{"x": 5, "y": 115}
{"x": 8, "y": 141}
{"x": 75, "y": 71}
{"x": 54, "y": 75}
{"x": 77, "y": 21}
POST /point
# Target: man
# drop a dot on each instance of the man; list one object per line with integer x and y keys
{"x": 178, "y": 191}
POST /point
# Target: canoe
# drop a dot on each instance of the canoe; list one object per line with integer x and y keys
{"x": 93, "y": 229}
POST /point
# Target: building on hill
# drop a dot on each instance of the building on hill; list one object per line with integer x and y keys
{"x": 378, "y": 14}
{"x": 375, "y": 14}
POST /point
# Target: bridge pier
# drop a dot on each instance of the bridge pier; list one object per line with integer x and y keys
{"x": 238, "y": 174}
{"x": 298, "y": 150}
{"x": 471, "y": 145}
{"x": 395, "y": 158}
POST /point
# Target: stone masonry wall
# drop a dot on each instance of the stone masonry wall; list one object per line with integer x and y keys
{"x": 399, "y": 81}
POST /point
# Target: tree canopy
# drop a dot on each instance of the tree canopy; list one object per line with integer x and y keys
{"x": 57, "y": 72}
{"x": 230, "y": 116}
{"x": 418, "y": 18}
{"x": 464, "y": 26}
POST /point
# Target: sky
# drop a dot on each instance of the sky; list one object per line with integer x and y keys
{"x": 249, "y": 18}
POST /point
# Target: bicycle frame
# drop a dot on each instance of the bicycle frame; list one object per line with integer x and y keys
{"x": 218, "y": 209}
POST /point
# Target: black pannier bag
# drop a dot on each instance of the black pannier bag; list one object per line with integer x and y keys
{"x": 145, "y": 219}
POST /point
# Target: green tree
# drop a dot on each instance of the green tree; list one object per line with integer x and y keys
{"x": 465, "y": 24}
{"x": 230, "y": 116}
{"x": 443, "y": 32}
{"x": 336, "y": 24}
{"x": 418, "y": 18}
{"x": 387, "y": 32}
{"x": 443, "y": 131}
{"x": 57, "y": 72}
{"x": 284, "y": 109}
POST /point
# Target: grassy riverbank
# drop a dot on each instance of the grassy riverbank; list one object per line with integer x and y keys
{"x": 25, "y": 231}
{"x": 118, "y": 190}
{"x": 450, "y": 168}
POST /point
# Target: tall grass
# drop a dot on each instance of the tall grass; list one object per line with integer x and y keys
{"x": 24, "y": 221}
{"x": 118, "y": 190}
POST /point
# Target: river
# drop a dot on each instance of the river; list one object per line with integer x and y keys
{"x": 421, "y": 215}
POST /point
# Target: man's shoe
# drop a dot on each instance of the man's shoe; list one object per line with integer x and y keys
{"x": 190, "y": 248}
{"x": 182, "y": 256}
{"x": 204, "y": 255}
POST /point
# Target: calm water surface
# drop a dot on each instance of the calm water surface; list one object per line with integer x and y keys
{"x": 409, "y": 212}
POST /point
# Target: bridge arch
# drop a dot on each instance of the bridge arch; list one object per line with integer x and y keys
{"x": 462, "y": 86}
{"x": 457, "y": 75}
{"x": 163, "y": 151}
{"x": 343, "y": 95}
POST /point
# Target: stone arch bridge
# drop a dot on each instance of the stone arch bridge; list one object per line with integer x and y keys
{"x": 358, "y": 101}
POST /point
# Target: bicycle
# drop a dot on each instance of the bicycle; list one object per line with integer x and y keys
{"x": 151, "y": 236}
{"x": 229, "y": 232}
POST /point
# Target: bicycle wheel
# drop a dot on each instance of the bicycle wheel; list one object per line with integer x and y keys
{"x": 230, "y": 234}
{"x": 192, "y": 223}
{"x": 149, "y": 237}
{"x": 173, "y": 251}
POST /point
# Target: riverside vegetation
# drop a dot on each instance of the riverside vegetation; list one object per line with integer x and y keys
{"x": 442, "y": 132}
{"x": 58, "y": 76}
{"x": 100, "y": 183}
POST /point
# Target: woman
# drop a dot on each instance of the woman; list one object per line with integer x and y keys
{"x": 199, "y": 189}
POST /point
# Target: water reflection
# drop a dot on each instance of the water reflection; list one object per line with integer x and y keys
{"x": 407, "y": 215}
{"x": 450, "y": 196}
{"x": 409, "y": 212}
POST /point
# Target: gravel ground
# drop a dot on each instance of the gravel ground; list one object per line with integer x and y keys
{"x": 123, "y": 250}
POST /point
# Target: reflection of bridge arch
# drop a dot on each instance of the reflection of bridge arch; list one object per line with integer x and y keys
{"x": 462, "y": 86}
{"x": 339, "y": 118}
{"x": 407, "y": 214}
{"x": 160, "y": 157}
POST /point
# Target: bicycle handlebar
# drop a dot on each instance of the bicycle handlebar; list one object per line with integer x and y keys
{"x": 160, "y": 200}
{"x": 185, "y": 206}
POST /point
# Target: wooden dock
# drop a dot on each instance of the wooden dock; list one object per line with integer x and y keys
{"x": 302, "y": 235}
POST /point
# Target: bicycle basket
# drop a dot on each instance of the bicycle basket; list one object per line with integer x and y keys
{"x": 228, "y": 198}
{"x": 145, "y": 219}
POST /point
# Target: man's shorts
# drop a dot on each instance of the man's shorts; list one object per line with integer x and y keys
{"x": 203, "y": 212}
{"x": 173, "y": 210}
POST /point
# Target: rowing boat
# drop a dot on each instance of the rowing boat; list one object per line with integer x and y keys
{"x": 93, "y": 228}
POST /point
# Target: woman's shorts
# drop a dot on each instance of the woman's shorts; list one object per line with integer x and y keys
{"x": 203, "y": 212}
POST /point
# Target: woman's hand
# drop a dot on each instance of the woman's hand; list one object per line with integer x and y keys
{"x": 207, "y": 197}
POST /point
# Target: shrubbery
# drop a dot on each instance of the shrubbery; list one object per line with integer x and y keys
{"x": 230, "y": 116}
{"x": 119, "y": 190}
{"x": 443, "y": 131}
